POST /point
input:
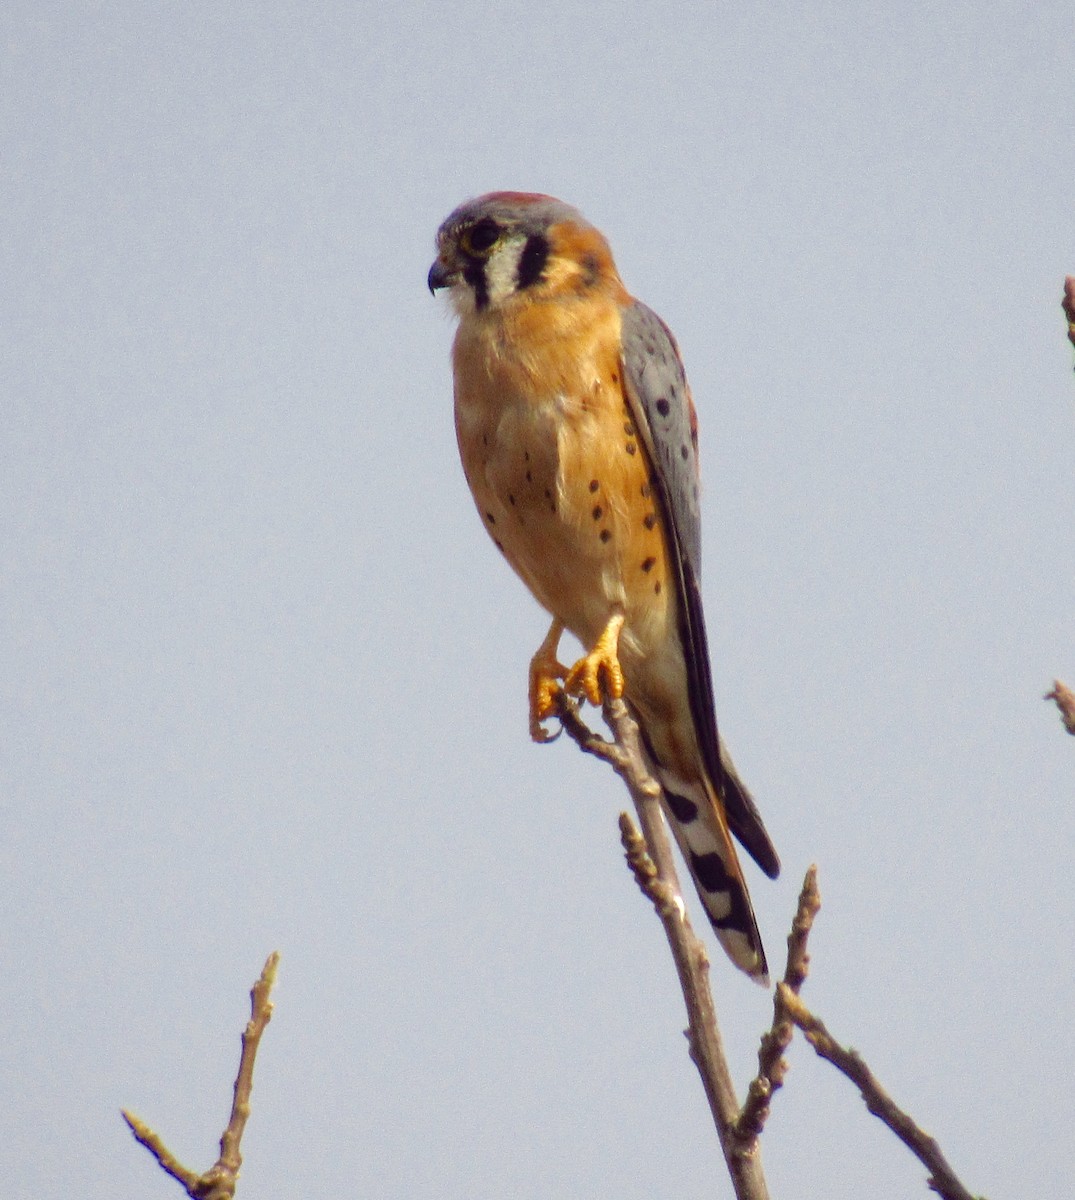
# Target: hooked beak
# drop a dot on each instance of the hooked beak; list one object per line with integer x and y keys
{"x": 439, "y": 276}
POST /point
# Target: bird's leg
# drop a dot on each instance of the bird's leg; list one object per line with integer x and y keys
{"x": 546, "y": 671}
{"x": 601, "y": 667}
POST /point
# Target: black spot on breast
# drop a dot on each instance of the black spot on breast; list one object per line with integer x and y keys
{"x": 684, "y": 810}
{"x": 498, "y": 545}
{"x": 657, "y": 588}
{"x": 663, "y": 406}
{"x": 532, "y": 261}
{"x": 631, "y": 448}
{"x": 529, "y": 477}
{"x": 684, "y": 452}
{"x": 649, "y": 520}
{"x": 646, "y": 491}
{"x": 598, "y": 512}
{"x": 648, "y": 564}
{"x": 614, "y": 377}
{"x": 594, "y": 485}
{"x": 605, "y": 535}
{"x": 511, "y": 499}
{"x": 629, "y": 428}
{"x": 490, "y": 518}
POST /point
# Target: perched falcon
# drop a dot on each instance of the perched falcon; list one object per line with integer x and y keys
{"x": 579, "y": 442}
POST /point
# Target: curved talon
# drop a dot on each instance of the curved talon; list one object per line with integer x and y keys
{"x": 598, "y": 675}
{"x": 546, "y": 671}
{"x": 544, "y": 688}
{"x": 542, "y": 736}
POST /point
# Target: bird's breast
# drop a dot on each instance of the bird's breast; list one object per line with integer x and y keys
{"x": 561, "y": 480}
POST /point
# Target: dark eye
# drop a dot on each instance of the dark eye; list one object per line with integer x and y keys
{"x": 482, "y": 237}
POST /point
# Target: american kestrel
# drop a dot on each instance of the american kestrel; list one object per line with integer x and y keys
{"x": 579, "y": 442}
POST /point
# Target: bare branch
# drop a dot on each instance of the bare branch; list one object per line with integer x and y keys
{"x": 1061, "y": 693}
{"x": 942, "y": 1178}
{"x": 651, "y": 861}
{"x": 1069, "y": 306}
{"x": 218, "y": 1183}
{"x": 772, "y": 1066}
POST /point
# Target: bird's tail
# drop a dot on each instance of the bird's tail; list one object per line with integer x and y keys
{"x": 695, "y": 813}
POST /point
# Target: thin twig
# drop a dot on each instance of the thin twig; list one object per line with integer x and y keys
{"x": 772, "y": 1066}
{"x": 1061, "y": 693}
{"x": 1068, "y": 304}
{"x": 650, "y": 857}
{"x": 165, "y": 1158}
{"x": 942, "y": 1179}
{"x": 218, "y": 1183}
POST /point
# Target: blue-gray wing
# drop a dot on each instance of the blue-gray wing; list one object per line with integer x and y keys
{"x": 663, "y": 412}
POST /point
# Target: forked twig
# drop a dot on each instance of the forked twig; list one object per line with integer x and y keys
{"x": 650, "y": 860}
{"x": 218, "y": 1183}
{"x": 650, "y": 857}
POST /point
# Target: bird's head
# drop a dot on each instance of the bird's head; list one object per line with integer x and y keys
{"x": 510, "y": 247}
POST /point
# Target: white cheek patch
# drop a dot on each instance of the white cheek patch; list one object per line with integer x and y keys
{"x": 502, "y": 270}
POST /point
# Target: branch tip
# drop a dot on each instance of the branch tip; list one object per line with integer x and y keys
{"x": 1068, "y": 305}
{"x": 772, "y": 1065}
{"x": 1061, "y": 693}
{"x": 218, "y": 1183}
{"x": 637, "y": 855}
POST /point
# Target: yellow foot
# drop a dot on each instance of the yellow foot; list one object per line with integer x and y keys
{"x": 599, "y": 676}
{"x": 546, "y": 671}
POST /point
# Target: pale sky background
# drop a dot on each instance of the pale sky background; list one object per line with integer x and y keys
{"x": 262, "y": 675}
